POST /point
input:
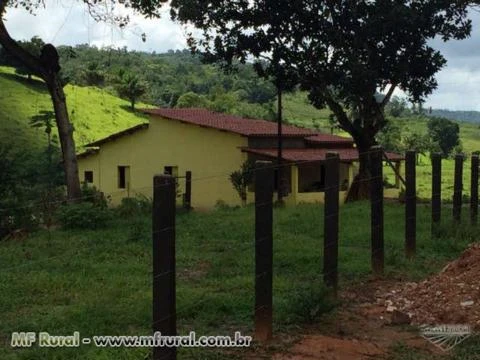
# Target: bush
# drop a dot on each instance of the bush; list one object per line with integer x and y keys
{"x": 308, "y": 302}
{"x": 85, "y": 215}
{"x": 23, "y": 218}
{"x": 137, "y": 206}
{"x": 92, "y": 195}
{"x": 221, "y": 205}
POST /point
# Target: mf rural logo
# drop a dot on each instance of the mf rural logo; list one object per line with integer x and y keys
{"x": 446, "y": 337}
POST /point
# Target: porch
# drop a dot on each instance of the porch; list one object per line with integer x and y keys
{"x": 304, "y": 173}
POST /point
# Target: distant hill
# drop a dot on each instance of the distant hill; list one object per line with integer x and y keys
{"x": 464, "y": 116}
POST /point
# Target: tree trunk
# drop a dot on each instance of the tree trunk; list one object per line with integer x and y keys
{"x": 51, "y": 78}
{"x": 360, "y": 188}
{"x": 65, "y": 132}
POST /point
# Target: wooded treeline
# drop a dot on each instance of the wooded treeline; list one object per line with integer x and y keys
{"x": 173, "y": 79}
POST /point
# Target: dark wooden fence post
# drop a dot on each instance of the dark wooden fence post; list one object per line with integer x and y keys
{"x": 410, "y": 204}
{"x": 330, "y": 223}
{"x": 457, "y": 188}
{"x": 188, "y": 190}
{"x": 436, "y": 192}
{"x": 163, "y": 234}
{"x": 376, "y": 198}
{"x": 264, "y": 179}
{"x": 474, "y": 190}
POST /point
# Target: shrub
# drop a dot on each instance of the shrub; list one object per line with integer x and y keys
{"x": 308, "y": 302}
{"x": 92, "y": 195}
{"x": 243, "y": 178}
{"x": 137, "y": 206}
{"x": 23, "y": 218}
{"x": 85, "y": 215}
{"x": 221, "y": 205}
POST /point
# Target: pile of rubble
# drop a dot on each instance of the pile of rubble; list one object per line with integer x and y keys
{"x": 449, "y": 297}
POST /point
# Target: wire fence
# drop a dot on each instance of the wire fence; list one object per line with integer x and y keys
{"x": 256, "y": 269}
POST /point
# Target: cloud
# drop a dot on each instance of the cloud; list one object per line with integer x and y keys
{"x": 68, "y": 23}
{"x": 459, "y": 81}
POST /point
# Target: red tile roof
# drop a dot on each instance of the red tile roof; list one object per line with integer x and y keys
{"x": 326, "y": 138}
{"x": 230, "y": 123}
{"x": 310, "y": 154}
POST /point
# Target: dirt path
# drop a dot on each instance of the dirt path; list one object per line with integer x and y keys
{"x": 361, "y": 328}
{"x": 376, "y": 316}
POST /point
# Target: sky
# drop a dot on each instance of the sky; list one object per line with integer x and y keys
{"x": 68, "y": 23}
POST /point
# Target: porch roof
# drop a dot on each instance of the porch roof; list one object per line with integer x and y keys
{"x": 311, "y": 154}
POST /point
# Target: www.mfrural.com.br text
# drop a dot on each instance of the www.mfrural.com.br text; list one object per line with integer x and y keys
{"x": 45, "y": 339}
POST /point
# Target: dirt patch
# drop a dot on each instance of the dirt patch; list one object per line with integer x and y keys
{"x": 360, "y": 329}
{"x": 449, "y": 297}
{"x": 324, "y": 347}
{"x": 365, "y": 326}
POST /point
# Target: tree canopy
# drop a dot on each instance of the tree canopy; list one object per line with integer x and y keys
{"x": 342, "y": 53}
{"x": 444, "y": 132}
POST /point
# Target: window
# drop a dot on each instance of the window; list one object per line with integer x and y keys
{"x": 311, "y": 178}
{"x": 123, "y": 177}
{"x": 170, "y": 170}
{"x": 88, "y": 177}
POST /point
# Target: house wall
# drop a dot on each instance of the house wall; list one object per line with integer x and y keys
{"x": 90, "y": 163}
{"x": 210, "y": 154}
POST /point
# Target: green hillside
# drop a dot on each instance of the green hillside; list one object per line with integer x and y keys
{"x": 94, "y": 113}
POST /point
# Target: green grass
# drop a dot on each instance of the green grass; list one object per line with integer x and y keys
{"x": 298, "y": 111}
{"x": 94, "y": 112}
{"x": 99, "y": 282}
{"x": 424, "y": 178}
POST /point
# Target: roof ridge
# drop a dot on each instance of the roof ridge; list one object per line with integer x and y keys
{"x": 228, "y": 122}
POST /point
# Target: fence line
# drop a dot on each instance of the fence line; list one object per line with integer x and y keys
{"x": 163, "y": 234}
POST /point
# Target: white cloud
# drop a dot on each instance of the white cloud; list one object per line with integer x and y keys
{"x": 69, "y": 24}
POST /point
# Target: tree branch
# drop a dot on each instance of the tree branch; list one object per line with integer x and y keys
{"x": 387, "y": 97}
{"x": 342, "y": 117}
{"x": 32, "y": 62}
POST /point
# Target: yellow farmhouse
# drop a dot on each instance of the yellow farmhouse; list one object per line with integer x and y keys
{"x": 211, "y": 145}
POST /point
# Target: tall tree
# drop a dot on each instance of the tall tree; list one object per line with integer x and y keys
{"x": 130, "y": 87}
{"x": 46, "y": 66}
{"x": 445, "y": 132}
{"x": 344, "y": 51}
{"x": 350, "y": 51}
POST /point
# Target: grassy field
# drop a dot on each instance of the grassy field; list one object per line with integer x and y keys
{"x": 94, "y": 112}
{"x": 99, "y": 282}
